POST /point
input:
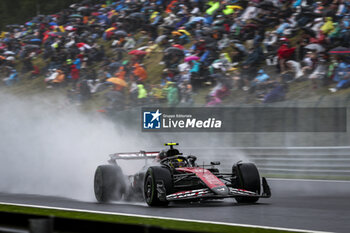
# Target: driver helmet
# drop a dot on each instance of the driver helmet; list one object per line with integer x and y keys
{"x": 179, "y": 163}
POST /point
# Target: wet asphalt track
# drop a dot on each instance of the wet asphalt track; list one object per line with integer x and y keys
{"x": 308, "y": 205}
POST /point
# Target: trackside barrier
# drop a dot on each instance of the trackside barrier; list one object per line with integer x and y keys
{"x": 42, "y": 225}
{"x": 322, "y": 162}
{"x": 24, "y": 223}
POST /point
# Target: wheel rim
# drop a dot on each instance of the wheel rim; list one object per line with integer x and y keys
{"x": 148, "y": 189}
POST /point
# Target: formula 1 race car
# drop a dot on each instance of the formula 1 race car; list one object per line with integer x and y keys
{"x": 171, "y": 176}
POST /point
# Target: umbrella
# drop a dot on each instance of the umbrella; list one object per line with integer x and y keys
{"x": 33, "y": 41}
{"x": 82, "y": 8}
{"x": 120, "y": 33}
{"x": 173, "y": 50}
{"x": 160, "y": 39}
{"x": 137, "y": 52}
{"x": 9, "y": 53}
{"x": 176, "y": 33}
{"x": 95, "y": 13}
{"x": 143, "y": 48}
{"x": 197, "y": 19}
{"x": 219, "y": 22}
{"x": 13, "y": 26}
{"x": 53, "y": 24}
{"x": 340, "y": 50}
{"x": 137, "y": 15}
{"x": 191, "y": 58}
{"x": 29, "y": 37}
{"x": 55, "y": 34}
{"x": 178, "y": 46}
{"x": 234, "y": 7}
{"x": 266, "y": 5}
{"x": 184, "y": 31}
{"x": 241, "y": 47}
{"x": 118, "y": 81}
{"x": 70, "y": 28}
{"x": 316, "y": 47}
{"x": 110, "y": 29}
{"x": 75, "y": 16}
{"x": 31, "y": 46}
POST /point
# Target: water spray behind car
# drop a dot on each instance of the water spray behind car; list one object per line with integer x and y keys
{"x": 49, "y": 147}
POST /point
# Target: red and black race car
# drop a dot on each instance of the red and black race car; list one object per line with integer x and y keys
{"x": 169, "y": 176}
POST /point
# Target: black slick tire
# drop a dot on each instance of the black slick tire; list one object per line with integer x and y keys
{"x": 109, "y": 183}
{"x": 249, "y": 179}
{"x": 155, "y": 178}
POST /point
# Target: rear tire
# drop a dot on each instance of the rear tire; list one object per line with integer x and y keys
{"x": 109, "y": 183}
{"x": 161, "y": 176}
{"x": 249, "y": 179}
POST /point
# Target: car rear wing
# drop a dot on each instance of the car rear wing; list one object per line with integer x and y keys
{"x": 134, "y": 155}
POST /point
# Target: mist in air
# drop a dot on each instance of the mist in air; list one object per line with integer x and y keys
{"x": 49, "y": 147}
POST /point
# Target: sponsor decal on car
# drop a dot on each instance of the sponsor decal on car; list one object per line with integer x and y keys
{"x": 187, "y": 194}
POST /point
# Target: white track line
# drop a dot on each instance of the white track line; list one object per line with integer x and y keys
{"x": 163, "y": 218}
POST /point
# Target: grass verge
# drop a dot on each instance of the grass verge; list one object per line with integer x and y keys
{"x": 120, "y": 219}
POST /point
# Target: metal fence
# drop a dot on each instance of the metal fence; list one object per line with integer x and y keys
{"x": 302, "y": 162}
{"x": 315, "y": 155}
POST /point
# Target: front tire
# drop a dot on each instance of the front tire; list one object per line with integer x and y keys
{"x": 157, "y": 184}
{"x": 249, "y": 179}
{"x": 109, "y": 183}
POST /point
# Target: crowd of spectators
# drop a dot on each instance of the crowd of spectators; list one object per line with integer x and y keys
{"x": 228, "y": 45}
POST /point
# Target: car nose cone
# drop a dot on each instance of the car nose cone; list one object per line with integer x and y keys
{"x": 221, "y": 190}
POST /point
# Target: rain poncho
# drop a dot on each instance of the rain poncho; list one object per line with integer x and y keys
{"x": 262, "y": 76}
{"x": 284, "y": 52}
{"x": 341, "y": 71}
{"x": 142, "y": 93}
{"x": 282, "y": 28}
{"x": 336, "y": 31}
{"x": 172, "y": 96}
{"x": 328, "y": 26}
{"x": 170, "y": 6}
{"x": 12, "y": 78}
{"x": 228, "y": 11}
{"x": 157, "y": 92}
{"x": 297, "y": 3}
{"x": 140, "y": 72}
{"x": 213, "y": 7}
{"x": 195, "y": 68}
